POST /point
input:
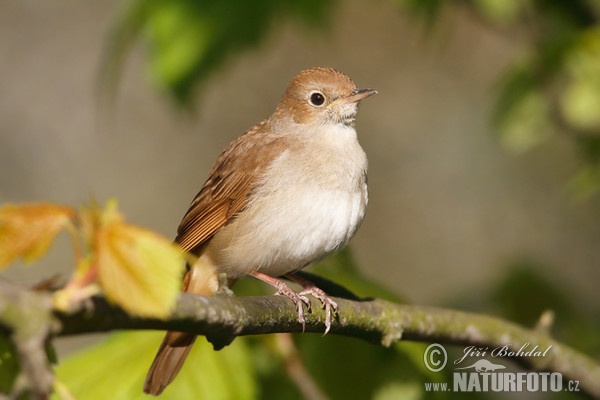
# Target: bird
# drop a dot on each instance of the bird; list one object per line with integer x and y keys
{"x": 283, "y": 195}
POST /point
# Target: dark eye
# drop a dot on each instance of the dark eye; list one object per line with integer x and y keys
{"x": 316, "y": 99}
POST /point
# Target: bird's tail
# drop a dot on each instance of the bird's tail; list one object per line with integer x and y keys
{"x": 200, "y": 279}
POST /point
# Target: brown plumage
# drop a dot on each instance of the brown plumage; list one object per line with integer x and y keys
{"x": 227, "y": 189}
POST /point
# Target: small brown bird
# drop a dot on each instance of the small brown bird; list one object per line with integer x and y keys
{"x": 283, "y": 195}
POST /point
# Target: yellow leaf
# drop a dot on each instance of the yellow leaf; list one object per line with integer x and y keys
{"x": 138, "y": 269}
{"x": 27, "y": 230}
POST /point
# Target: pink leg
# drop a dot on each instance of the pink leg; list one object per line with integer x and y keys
{"x": 283, "y": 289}
{"x": 309, "y": 288}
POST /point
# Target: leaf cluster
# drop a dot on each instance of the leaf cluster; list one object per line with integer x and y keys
{"x": 187, "y": 40}
{"x": 553, "y": 86}
{"x": 134, "y": 267}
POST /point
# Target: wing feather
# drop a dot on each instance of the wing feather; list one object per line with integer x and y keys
{"x": 226, "y": 191}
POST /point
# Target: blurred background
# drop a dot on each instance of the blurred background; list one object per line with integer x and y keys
{"x": 483, "y": 142}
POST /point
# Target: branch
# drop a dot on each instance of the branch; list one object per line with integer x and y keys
{"x": 28, "y": 317}
{"x": 221, "y": 318}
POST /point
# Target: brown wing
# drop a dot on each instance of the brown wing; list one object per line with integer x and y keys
{"x": 226, "y": 190}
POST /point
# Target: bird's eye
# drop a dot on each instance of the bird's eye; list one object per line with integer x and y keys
{"x": 316, "y": 99}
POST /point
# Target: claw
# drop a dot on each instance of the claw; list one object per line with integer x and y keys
{"x": 327, "y": 304}
{"x": 299, "y": 299}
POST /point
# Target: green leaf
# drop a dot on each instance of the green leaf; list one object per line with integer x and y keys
{"x": 179, "y": 37}
{"x": 189, "y": 39}
{"x": 581, "y": 100}
{"x": 116, "y": 369}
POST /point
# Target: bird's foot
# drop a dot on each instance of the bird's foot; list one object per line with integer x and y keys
{"x": 328, "y": 304}
{"x": 283, "y": 289}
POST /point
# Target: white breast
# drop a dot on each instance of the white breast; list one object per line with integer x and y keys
{"x": 310, "y": 202}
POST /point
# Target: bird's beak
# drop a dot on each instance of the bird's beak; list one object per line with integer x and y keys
{"x": 354, "y": 97}
{"x": 359, "y": 94}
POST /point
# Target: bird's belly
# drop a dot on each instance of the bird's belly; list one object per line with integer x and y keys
{"x": 284, "y": 232}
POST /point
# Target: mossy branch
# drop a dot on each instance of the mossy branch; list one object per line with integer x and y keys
{"x": 222, "y": 318}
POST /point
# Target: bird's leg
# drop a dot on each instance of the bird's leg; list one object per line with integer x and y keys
{"x": 308, "y": 287}
{"x": 282, "y": 288}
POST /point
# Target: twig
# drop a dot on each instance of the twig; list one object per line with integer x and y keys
{"x": 295, "y": 368}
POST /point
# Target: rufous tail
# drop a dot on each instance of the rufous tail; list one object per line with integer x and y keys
{"x": 200, "y": 279}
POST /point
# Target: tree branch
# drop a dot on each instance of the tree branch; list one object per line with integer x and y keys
{"x": 221, "y": 318}
{"x": 27, "y": 316}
